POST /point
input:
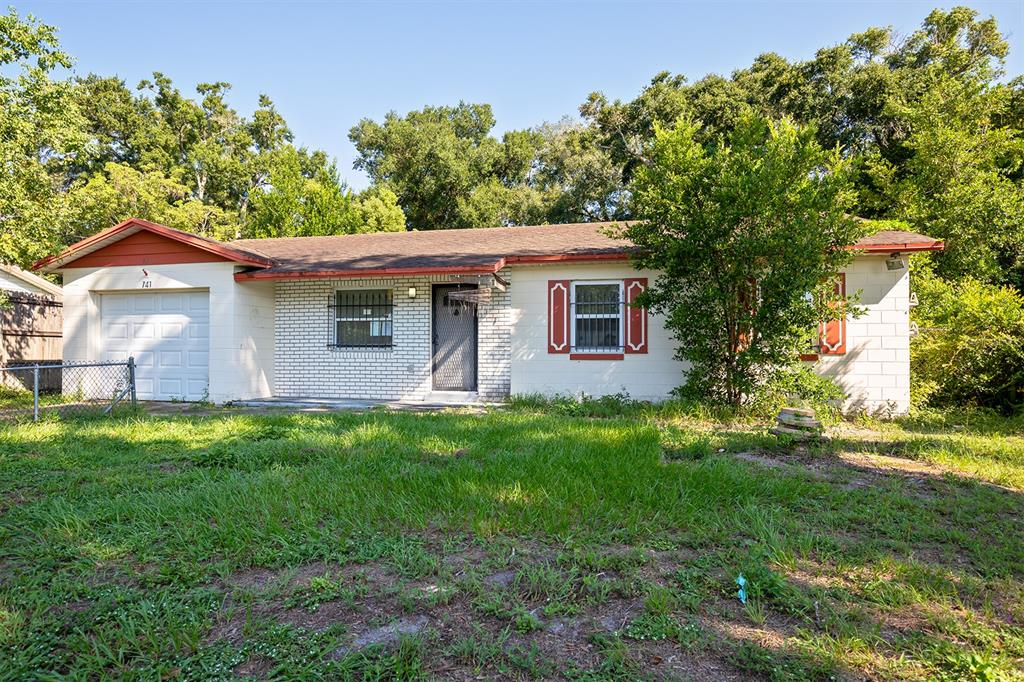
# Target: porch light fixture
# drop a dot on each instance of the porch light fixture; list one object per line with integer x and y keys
{"x": 895, "y": 262}
{"x": 412, "y": 292}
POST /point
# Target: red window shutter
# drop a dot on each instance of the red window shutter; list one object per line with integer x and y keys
{"x": 558, "y": 316}
{"x": 748, "y": 297}
{"x": 833, "y": 332}
{"x": 636, "y": 318}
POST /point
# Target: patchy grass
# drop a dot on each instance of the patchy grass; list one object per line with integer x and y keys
{"x": 520, "y": 543}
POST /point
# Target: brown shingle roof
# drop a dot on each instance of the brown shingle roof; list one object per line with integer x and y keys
{"x": 475, "y": 251}
{"x": 472, "y": 250}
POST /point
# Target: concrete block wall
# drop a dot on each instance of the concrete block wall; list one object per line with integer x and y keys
{"x": 307, "y": 366}
{"x": 875, "y": 371}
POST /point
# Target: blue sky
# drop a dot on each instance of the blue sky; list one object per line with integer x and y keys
{"x": 328, "y": 64}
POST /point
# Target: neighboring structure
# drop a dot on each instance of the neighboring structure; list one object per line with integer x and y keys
{"x": 30, "y": 317}
{"x": 404, "y": 316}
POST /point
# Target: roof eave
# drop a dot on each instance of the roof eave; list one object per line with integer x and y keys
{"x": 433, "y": 270}
{"x": 899, "y": 248}
{"x": 262, "y": 275}
{"x": 33, "y": 280}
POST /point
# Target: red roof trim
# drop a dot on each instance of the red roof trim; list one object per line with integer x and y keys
{"x": 373, "y": 272}
{"x": 569, "y": 258}
{"x": 67, "y": 255}
{"x": 902, "y": 248}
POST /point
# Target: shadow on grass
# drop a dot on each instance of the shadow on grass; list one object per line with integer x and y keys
{"x": 170, "y": 498}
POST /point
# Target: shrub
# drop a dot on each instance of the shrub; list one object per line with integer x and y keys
{"x": 800, "y": 386}
{"x": 970, "y": 349}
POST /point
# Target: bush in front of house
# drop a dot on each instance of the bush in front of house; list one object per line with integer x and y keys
{"x": 749, "y": 233}
{"x": 970, "y": 347}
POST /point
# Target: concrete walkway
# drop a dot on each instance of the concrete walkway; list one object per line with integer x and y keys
{"x": 433, "y": 403}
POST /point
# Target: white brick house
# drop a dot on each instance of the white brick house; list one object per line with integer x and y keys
{"x": 406, "y": 316}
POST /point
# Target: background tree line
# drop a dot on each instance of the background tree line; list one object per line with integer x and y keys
{"x": 929, "y": 127}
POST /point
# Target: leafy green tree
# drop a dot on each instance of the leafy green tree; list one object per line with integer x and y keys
{"x": 40, "y": 128}
{"x": 120, "y": 191}
{"x": 445, "y": 167}
{"x": 742, "y": 231}
{"x": 970, "y": 349}
{"x": 961, "y": 182}
{"x": 379, "y": 211}
{"x": 305, "y": 197}
{"x": 576, "y": 177}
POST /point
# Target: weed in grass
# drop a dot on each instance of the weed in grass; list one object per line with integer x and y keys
{"x": 660, "y": 601}
{"x": 325, "y": 588}
{"x": 627, "y": 588}
{"x": 779, "y": 666}
{"x": 969, "y": 666}
{"x": 531, "y": 661}
{"x": 616, "y": 663}
{"x": 546, "y": 582}
{"x": 478, "y": 649}
{"x": 755, "y": 612}
{"x": 525, "y": 621}
{"x": 597, "y": 589}
{"x": 766, "y": 585}
{"x": 405, "y": 662}
{"x": 661, "y": 627}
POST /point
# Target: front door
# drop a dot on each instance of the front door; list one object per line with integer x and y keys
{"x": 454, "y": 365}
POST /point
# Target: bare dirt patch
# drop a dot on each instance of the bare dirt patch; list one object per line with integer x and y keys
{"x": 447, "y": 611}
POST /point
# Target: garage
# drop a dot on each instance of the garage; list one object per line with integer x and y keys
{"x": 168, "y": 334}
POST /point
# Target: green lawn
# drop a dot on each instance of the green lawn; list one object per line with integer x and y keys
{"x": 533, "y": 542}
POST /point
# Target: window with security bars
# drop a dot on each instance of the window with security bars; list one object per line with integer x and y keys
{"x": 363, "y": 319}
{"x": 597, "y": 317}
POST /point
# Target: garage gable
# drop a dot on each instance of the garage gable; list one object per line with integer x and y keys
{"x": 140, "y": 242}
{"x": 144, "y": 248}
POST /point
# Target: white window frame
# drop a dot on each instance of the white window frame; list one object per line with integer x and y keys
{"x": 338, "y": 318}
{"x": 573, "y": 317}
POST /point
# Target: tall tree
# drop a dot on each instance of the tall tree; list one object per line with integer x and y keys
{"x": 40, "y": 130}
{"x": 445, "y": 167}
{"x": 742, "y": 230}
{"x": 305, "y": 197}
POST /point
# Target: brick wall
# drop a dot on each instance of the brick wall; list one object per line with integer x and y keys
{"x": 306, "y": 365}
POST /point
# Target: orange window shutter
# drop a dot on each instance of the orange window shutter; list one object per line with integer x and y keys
{"x": 558, "y": 316}
{"x": 636, "y": 318}
{"x": 833, "y": 332}
{"x": 747, "y": 300}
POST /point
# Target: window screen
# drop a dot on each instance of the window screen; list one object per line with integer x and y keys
{"x": 363, "y": 319}
{"x": 597, "y": 317}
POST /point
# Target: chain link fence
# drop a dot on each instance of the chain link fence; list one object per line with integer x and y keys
{"x": 30, "y": 392}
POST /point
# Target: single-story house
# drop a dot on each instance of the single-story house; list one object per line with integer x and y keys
{"x": 479, "y": 313}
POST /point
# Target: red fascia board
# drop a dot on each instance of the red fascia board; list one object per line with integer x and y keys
{"x": 568, "y": 258}
{"x": 225, "y": 252}
{"x": 597, "y": 356}
{"x": 372, "y": 272}
{"x": 901, "y": 248}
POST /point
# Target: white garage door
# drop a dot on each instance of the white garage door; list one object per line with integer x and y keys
{"x": 169, "y": 336}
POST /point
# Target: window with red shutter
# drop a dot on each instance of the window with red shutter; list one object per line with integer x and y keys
{"x": 833, "y": 332}
{"x": 636, "y": 318}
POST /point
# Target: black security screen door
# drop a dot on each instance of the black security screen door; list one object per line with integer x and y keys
{"x": 454, "y": 340}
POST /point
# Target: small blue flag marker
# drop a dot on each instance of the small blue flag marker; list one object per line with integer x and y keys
{"x": 742, "y": 594}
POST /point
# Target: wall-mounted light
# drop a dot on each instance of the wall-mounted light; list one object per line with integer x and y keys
{"x": 895, "y": 262}
{"x": 412, "y": 292}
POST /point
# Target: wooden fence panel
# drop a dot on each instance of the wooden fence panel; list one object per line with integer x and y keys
{"x": 31, "y": 329}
